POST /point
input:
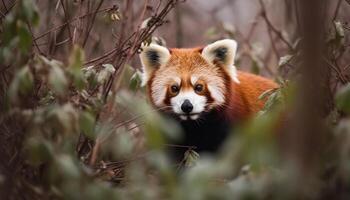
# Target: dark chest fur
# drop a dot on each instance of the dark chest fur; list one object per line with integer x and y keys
{"x": 205, "y": 135}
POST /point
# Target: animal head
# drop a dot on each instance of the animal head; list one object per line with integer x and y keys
{"x": 189, "y": 82}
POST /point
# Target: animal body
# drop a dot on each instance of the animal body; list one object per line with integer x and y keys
{"x": 202, "y": 89}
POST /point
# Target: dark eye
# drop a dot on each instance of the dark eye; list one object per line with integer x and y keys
{"x": 175, "y": 89}
{"x": 198, "y": 87}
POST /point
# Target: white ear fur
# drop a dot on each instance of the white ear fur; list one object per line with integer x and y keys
{"x": 223, "y": 52}
{"x": 152, "y": 57}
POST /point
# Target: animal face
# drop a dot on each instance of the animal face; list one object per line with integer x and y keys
{"x": 189, "y": 82}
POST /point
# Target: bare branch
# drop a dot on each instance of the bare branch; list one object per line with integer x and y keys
{"x": 272, "y": 27}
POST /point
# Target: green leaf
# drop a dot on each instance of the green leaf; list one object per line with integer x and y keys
{"x": 273, "y": 100}
{"x": 87, "y": 124}
{"x": 58, "y": 80}
{"x": 25, "y": 37}
{"x": 22, "y": 83}
{"x": 39, "y": 150}
{"x": 105, "y": 73}
{"x": 190, "y": 158}
{"x": 65, "y": 119}
{"x": 66, "y": 165}
{"x": 9, "y": 29}
{"x": 91, "y": 76}
{"x": 76, "y": 61}
{"x": 255, "y": 69}
{"x": 135, "y": 80}
{"x": 343, "y": 99}
{"x": 123, "y": 143}
{"x": 29, "y": 11}
{"x": 266, "y": 93}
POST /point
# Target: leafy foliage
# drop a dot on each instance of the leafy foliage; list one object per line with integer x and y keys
{"x": 70, "y": 136}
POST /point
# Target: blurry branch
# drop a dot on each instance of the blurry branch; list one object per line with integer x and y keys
{"x": 4, "y": 4}
{"x": 7, "y": 9}
{"x": 107, "y": 54}
{"x": 2, "y": 15}
{"x": 125, "y": 50}
{"x": 34, "y": 41}
{"x": 340, "y": 75}
{"x": 307, "y": 135}
{"x": 66, "y": 15}
{"x": 272, "y": 27}
{"x": 246, "y": 38}
{"x": 91, "y": 23}
{"x": 337, "y": 10}
{"x": 273, "y": 45}
{"x": 74, "y": 19}
{"x": 179, "y": 31}
{"x": 297, "y": 19}
{"x": 130, "y": 46}
{"x": 246, "y": 41}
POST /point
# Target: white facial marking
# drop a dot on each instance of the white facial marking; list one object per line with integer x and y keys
{"x": 233, "y": 74}
{"x": 194, "y": 79}
{"x": 148, "y": 65}
{"x": 194, "y": 117}
{"x": 177, "y": 80}
{"x": 196, "y": 100}
{"x": 217, "y": 94}
{"x": 158, "y": 96}
{"x": 159, "y": 89}
{"x": 183, "y": 117}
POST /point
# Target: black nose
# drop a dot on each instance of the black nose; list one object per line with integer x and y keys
{"x": 186, "y": 106}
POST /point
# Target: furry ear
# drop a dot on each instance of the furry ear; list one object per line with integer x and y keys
{"x": 222, "y": 52}
{"x": 152, "y": 57}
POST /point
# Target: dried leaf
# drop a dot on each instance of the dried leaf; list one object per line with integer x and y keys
{"x": 190, "y": 158}
{"x": 285, "y": 60}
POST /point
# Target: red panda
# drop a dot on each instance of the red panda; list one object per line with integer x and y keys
{"x": 202, "y": 89}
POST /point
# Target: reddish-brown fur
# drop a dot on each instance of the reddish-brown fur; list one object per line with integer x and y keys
{"x": 242, "y": 99}
{"x": 227, "y": 101}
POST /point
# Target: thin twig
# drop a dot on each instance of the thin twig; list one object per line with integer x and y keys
{"x": 92, "y": 23}
{"x": 67, "y": 20}
{"x": 9, "y": 9}
{"x": 272, "y": 27}
{"x": 71, "y": 20}
{"x": 4, "y": 4}
{"x": 274, "y": 48}
{"x": 32, "y": 34}
{"x": 337, "y": 10}
{"x": 146, "y": 32}
{"x": 341, "y": 77}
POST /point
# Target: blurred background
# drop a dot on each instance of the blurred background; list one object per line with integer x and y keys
{"x": 75, "y": 123}
{"x": 265, "y": 30}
